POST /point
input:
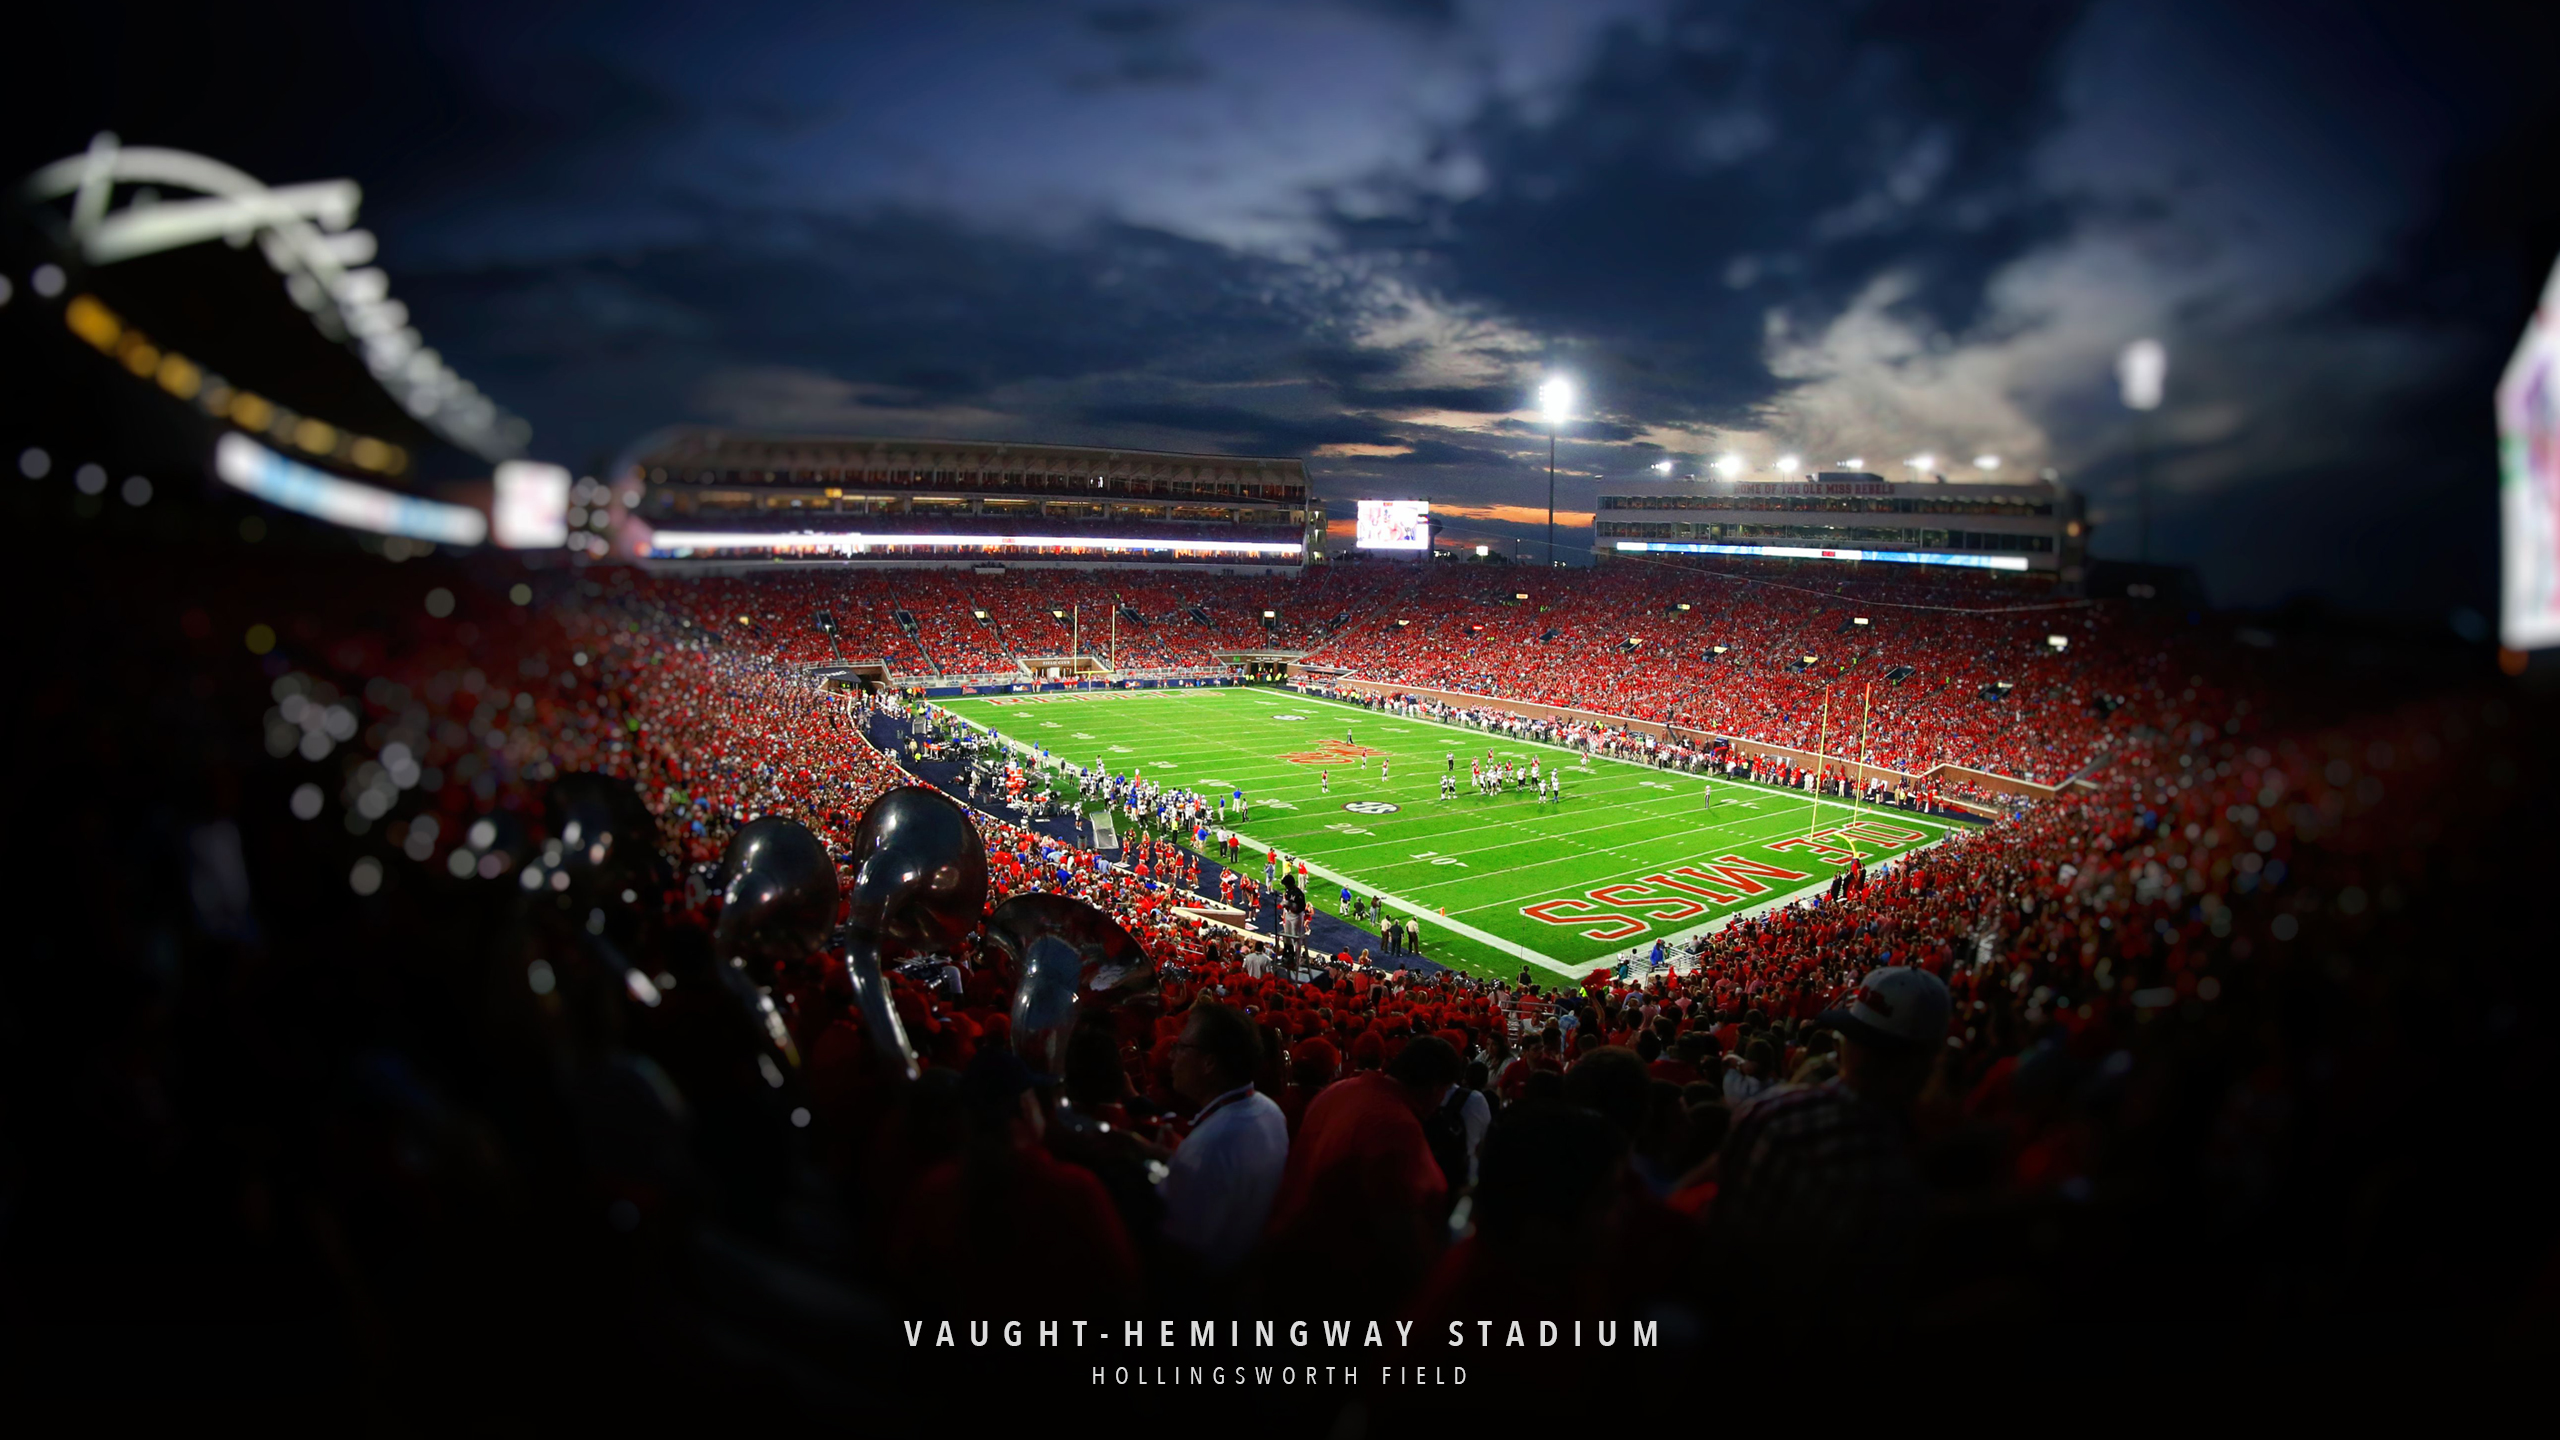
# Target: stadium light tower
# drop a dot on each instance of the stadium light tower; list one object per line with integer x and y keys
{"x": 1786, "y": 464}
{"x": 2142, "y": 373}
{"x": 1555, "y": 397}
{"x": 1728, "y": 465}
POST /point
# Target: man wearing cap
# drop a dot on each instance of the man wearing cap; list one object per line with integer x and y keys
{"x": 1217, "y": 1193}
{"x": 1822, "y": 1175}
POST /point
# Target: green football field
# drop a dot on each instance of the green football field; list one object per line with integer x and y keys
{"x": 1629, "y": 855}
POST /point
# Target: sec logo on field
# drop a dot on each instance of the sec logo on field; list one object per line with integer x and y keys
{"x": 1372, "y": 807}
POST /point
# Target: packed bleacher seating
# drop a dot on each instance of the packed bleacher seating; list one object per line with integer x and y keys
{"x": 1955, "y": 671}
{"x": 2183, "y": 1005}
{"x": 1945, "y": 671}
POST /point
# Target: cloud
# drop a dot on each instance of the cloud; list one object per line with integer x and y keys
{"x": 1148, "y": 47}
{"x": 1514, "y": 514}
{"x": 1702, "y": 178}
{"x": 1112, "y": 325}
{"x": 1870, "y": 226}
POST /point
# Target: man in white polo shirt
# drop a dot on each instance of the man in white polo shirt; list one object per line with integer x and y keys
{"x": 1218, "y": 1190}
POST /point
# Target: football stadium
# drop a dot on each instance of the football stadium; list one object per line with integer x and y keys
{"x": 909, "y": 901}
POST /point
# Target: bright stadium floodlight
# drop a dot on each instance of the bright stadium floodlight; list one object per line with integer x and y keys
{"x": 1662, "y": 467}
{"x": 1555, "y": 398}
{"x": 1728, "y": 465}
{"x": 1986, "y": 462}
{"x": 1786, "y": 464}
{"x": 1483, "y": 550}
{"x": 1854, "y": 462}
{"x": 2142, "y": 374}
{"x": 1924, "y": 462}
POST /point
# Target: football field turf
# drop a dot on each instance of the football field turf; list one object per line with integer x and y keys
{"x": 1630, "y": 855}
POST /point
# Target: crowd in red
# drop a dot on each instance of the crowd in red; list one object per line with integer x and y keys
{"x": 2086, "y": 943}
{"x": 2057, "y": 931}
{"x": 967, "y": 624}
{"x": 1911, "y": 673}
{"x": 1917, "y": 673}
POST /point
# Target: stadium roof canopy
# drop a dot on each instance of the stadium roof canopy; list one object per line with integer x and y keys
{"x": 287, "y": 305}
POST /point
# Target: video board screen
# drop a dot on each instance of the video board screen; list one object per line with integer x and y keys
{"x": 1395, "y": 525}
{"x": 532, "y": 506}
{"x": 2529, "y": 482}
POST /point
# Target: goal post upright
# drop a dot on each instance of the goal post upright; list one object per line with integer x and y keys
{"x": 1821, "y": 757}
{"x": 1858, "y": 798}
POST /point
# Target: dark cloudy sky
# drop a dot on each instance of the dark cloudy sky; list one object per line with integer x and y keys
{"x": 1360, "y": 232}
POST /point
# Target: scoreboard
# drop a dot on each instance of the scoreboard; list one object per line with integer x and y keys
{"x": 1394, "y": 525}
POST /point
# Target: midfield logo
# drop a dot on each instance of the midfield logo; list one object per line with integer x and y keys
{"x": 1372, "y": 807}
{"x": 1335, "y": 752}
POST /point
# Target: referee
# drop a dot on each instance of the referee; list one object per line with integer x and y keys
{"x": 1707, "y": 794}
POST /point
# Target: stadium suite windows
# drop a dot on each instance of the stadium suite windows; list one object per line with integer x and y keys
{"x": 938, "y": 508}
{"x": 2038, "y": 519}
{"x": 705, "y": 458}
{"x": 1837, "y": 535}
{"x": 1852, "y": 504}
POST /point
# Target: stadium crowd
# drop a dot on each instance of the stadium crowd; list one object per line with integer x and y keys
{"x": 2051, "y": 936}
{"x": 2095, "y": 1057}
{"x": 1916, "y": 673}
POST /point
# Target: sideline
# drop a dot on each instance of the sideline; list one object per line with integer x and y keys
{"x": 1428, "y": 916}
{"x": 1943, "y": 827}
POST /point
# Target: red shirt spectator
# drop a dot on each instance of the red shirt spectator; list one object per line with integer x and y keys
{"x": 1358, "y": 1216}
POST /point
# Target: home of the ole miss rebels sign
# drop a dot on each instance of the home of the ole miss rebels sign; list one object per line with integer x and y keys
{"x": 1628, "y": 908}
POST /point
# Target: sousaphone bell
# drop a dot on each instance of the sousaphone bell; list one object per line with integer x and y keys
{"x": 919, "y": 888}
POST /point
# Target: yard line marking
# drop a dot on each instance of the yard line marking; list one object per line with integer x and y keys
{"x": 1429, "y": 916}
